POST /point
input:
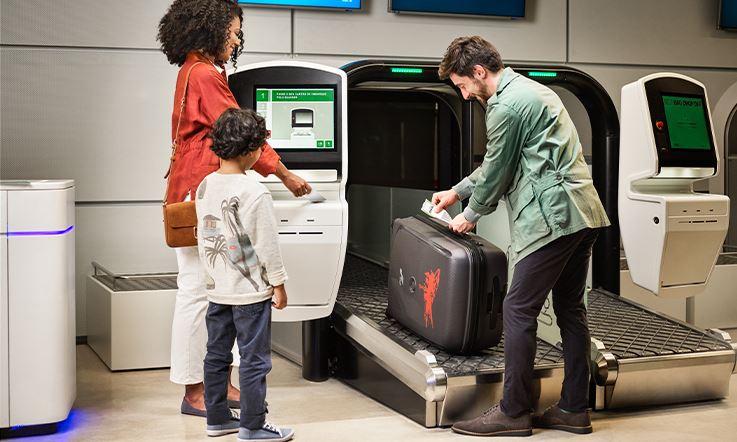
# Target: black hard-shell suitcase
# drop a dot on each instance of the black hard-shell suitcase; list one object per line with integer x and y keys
{"x": 447, "y": 288}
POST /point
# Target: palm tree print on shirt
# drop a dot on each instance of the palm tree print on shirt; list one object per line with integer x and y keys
{"x": 237, "y": 252}
{"x": 240, "y": 251}
{"x": 211, "y": 234}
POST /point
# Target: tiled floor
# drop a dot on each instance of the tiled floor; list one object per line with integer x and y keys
{"x": 144, "y": 405}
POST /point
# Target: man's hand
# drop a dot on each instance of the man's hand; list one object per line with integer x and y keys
{"x": 279, "y": 300}
{"x": 444, "y": 199}
{"x": 460, "y": 225}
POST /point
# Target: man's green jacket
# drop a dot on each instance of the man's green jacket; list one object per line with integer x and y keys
{"x": 535, "y": 161}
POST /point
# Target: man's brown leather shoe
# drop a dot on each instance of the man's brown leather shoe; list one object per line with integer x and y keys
{"x": 495, "y": 423}
{"x": 554, "y": 417}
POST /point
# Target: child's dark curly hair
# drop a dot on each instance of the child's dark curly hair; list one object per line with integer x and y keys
{"x": 238, "y": 132}
{"x": 198, "y": 24}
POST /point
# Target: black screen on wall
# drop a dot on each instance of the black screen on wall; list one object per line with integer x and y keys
{"x": 728, "y": 14}
{"x": 498, "y": 8}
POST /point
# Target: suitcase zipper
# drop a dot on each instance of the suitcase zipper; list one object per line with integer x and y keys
{"x": 478, "y": 260}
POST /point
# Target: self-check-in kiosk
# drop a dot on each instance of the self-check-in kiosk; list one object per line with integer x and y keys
{"x": 305, "y": 109}
{"x": 672, "y": 235}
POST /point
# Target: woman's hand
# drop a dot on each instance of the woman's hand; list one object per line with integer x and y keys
{"x": 279, "y": 299}
{"x": 294, "y": 183}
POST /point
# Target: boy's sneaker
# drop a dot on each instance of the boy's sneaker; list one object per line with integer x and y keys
{"x": 268, "y": 432}
{"x": 559, "y": 419}
{"x": 229, "y": 427}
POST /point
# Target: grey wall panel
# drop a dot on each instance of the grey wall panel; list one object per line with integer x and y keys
{"x": 97, "y": 23}
{"x": 328, "y": 60}
{"x": 653, "y": 32}
{"x": 121, "y": 24}
{"x": 375, "y": 32}
{"x": 100, "y": 117}
{"x": 267, "y": 30}
{"x": 124, "y": 239}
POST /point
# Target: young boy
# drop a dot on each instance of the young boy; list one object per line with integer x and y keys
{"x": 238, "y": 245}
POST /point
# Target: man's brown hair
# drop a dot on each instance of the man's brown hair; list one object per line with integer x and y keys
{"x": 466, "y": 52}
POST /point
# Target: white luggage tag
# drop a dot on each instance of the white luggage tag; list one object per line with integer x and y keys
{"x": 429, "y": 208}
{"x": 314, "y": 196}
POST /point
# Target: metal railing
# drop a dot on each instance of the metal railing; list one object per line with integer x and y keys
{"x": 134, "y": 281}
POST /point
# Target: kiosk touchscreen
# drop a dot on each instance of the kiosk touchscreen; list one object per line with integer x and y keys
{"x": 298, "y": 118}
{"x": 686, "y": 122}
{"x": 304, "y": 105}
{"x": 672, "y": 235}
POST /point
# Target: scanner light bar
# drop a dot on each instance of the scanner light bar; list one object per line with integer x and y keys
{"x": 406, "y": 70}
{"x": 540, "y": 74}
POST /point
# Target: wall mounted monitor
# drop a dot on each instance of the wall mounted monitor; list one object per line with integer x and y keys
{"x": 492, "y": 8}
{"x": 299, "y": 118}
{"x": 728, "y": 15}
{"x": 318, "y": 4}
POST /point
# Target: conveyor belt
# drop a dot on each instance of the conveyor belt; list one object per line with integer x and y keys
{"x": 364, "y": 291}
{"x": 627, "y": 330}
{"x": 641, "y": 357}
{"x": 630, "y": 331}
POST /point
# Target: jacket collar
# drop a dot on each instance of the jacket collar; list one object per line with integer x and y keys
{"x": 197, "y": 56}
{"x": 507, "y": 76}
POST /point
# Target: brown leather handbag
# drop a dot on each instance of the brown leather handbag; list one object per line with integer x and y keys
{"x": 180, "y": 224}
{"x": 180, "y": 219}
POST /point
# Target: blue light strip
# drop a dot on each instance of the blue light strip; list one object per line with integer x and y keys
{"x": 41, "y": 232}
{"x": 62, "y": 431}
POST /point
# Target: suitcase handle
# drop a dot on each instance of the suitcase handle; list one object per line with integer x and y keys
{"x": 493, "y": 302}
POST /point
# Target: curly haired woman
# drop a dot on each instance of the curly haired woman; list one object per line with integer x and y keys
{"x": 201, "y": 36}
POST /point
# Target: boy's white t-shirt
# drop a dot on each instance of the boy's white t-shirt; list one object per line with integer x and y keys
{"x": 237, "y": 239}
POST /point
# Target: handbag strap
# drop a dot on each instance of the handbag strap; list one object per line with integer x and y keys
{"x": 176, "y": 134}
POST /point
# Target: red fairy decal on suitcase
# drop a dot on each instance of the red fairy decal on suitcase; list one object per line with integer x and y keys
{"x": 430, "y": 288}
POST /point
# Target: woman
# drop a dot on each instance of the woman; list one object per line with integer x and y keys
{"x": 200, "y": 36}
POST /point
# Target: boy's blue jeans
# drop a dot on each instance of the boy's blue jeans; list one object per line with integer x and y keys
{"x": 251, "y": 325}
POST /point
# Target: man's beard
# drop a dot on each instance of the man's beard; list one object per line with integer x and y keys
{"x": 483, "y": 94}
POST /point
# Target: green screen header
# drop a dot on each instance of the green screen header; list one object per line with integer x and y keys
{"x": 292, "y": 95}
